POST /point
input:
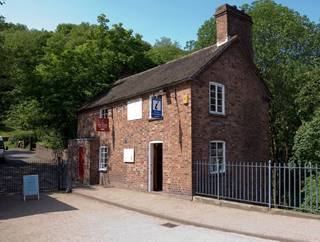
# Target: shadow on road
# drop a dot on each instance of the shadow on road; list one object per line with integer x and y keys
{"x": 15, "y": 207}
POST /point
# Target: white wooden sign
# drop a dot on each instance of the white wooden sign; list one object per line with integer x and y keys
{"x": 31, "y": 186}
{"x": 128, "y": 155}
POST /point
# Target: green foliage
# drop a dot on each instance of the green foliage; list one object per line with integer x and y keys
{"x": 308, "y": 98}
{"x": 22, "y": 135}
{"x": 310, "y": 199}
{"x": 286, "y": 44}
{"x": 27, "y": 115}
{"x": 306, "y": 146}
{"x": 165, "y": 50}
{"x": 51, "y": 139}
{"x": 47, "y": 76}
{"x": 206, "y": 34}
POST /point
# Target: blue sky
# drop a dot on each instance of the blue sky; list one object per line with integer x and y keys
{"x": 177, "y": 19}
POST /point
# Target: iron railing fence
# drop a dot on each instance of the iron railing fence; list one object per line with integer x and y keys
{"x": 52, "y": 176}
{"x": 278, "y": 185}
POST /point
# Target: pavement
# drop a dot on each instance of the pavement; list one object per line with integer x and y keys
{"x": 248, "y": 223}
{"x": 70, "y": 217}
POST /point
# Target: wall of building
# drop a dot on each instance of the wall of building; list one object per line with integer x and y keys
{"x": 244, "y": 127}
{"x": 174, "y": 131}
{"x": 91, "y": 160}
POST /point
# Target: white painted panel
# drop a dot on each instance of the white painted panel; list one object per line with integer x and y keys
{"x": 134, "y": 109}
{"x": 128, "y": 155}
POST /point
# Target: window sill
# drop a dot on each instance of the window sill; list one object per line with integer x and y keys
{"x": 155, "y": 119}
{"x": 222, "y": 115}
{"x": 103, "y": 170}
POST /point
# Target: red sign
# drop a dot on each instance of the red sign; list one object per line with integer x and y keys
{"x": 102, "y": 124}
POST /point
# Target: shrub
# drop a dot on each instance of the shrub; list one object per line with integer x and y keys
{"x": 311, "y": 195}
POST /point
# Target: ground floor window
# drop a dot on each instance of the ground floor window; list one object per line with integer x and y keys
{"x": 103, "y": 158}
{"x": 217, "y": 156}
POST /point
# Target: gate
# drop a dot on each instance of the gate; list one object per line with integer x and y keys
{"x": 52, "y": 176}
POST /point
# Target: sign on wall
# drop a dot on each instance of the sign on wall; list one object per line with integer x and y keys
{"x": 102, "y": 124}
{"x": 156, "y": 107}
{"x": 128, "y": 155}
{"x": 30, "y": 186}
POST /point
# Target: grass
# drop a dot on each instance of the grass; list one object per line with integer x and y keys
{"x": 6, "y": 131}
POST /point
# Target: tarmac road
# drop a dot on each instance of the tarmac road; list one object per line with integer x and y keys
{"x": 68, "y": 217}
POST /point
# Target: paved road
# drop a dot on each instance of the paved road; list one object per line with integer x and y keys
{"x": 67, "y": 217}
{"x": 16, "y": 157}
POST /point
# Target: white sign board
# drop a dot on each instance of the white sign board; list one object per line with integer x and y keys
{"x": 31, "y": 186}
{"x": 128, "y": 155}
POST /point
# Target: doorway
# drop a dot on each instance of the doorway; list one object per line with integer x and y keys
{"x": 155, "y": 166}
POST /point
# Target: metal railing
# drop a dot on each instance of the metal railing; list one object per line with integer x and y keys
{"x": 279, "y": 185}
{"x": 52, "y": 176}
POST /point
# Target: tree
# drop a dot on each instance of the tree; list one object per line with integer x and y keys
{"x": 285, "y": 45}
{"x": 27, "y": 115}
{"x": 165, "y": 50}
{"x": 306, "y": 147}
{"x": 206, "y": 34}
{"x": 82, "y": 61}
{"x": 308, "y": 98}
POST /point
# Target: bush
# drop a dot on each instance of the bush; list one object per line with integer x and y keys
{"x": 50, "y": 140}
{"x": 306, "y": 148}
{"x": 310, "y": 200}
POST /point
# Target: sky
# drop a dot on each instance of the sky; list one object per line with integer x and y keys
{"x": 177, "y": 19}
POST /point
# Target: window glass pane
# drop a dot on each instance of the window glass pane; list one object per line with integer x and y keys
{"x": 103, "y": 157}
{"x": 219, "y": 95}
{"x": 216, "y": 157}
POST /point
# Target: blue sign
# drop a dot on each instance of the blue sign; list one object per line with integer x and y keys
{"x": 30, "y": 186}
{"x": 156, "y": 107}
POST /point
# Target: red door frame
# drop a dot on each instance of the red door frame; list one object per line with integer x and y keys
{"x": 81, "y": 164}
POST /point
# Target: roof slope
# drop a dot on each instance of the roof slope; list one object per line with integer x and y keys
{"x": 168, "y": 74}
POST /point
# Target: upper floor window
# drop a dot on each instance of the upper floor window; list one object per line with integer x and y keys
{"x": 217, "y": 156}
{"x": 103, "y": 113}
{"x": 134, "y": 108}
{"x": 103, "y": 158}
{"x": 216, "y": 98}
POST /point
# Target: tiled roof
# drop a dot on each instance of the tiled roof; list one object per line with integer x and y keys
{"x": 161, "y": 76}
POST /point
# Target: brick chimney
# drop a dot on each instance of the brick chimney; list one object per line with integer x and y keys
{"x": 231, "y": 21}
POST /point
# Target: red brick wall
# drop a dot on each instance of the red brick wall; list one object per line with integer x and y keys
{"x": 174, "y": 130}
{"x": 231, "y": 21}
{"x": 244, "y": 127}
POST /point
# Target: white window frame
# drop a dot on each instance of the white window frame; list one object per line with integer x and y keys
{"x": 103, "y": 113}
{"x": 212, "y": 165}
{"x": 137, "y": 114}
{"x": 216, "y": 85}
{"x": 150, "y": 106}
{"x": 103, "y": 158}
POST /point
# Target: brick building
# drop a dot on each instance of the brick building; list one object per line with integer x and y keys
{"x": 147, "y": 131}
